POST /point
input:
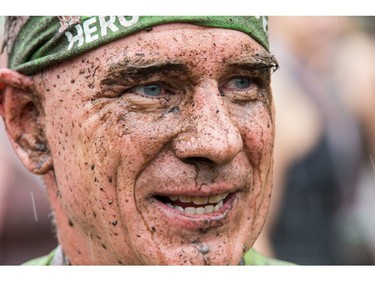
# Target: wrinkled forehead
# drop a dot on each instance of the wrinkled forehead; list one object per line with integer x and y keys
{"x": 188, "y": 44}
{"x": 177, "y": 47}
{"x": 44, "y": 41}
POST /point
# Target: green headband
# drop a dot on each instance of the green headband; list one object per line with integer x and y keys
{"x": 43, "y": 41}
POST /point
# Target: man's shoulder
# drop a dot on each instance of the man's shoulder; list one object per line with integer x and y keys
{"x": 45, "y": 260}
{"x": 252, "y": 257}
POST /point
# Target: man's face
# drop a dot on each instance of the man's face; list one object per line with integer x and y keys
{"x": 162, "y": 147}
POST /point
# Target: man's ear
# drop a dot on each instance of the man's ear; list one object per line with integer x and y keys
{"x": 23, "y": 117}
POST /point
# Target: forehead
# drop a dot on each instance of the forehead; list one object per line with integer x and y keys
{"x": 176, "y": 42}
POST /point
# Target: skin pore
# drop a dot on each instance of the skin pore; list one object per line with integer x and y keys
{"x": 145, "y": 131}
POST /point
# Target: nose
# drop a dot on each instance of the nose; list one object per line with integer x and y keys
{"x": 209, "y": 135}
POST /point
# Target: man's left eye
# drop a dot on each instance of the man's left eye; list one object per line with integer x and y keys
{"x": 152, "y": 90}
{"x": 239, "y": 83}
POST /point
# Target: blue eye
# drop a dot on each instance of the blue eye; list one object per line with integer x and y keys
{"x": 152, "y": 90}
{"x": 238, "y": 83}
{"x": 241, "y": 83}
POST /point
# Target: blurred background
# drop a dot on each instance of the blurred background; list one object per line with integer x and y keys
{"x": 324, "y": 187}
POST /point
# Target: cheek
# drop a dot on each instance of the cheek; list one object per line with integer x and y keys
{"x": 84, "y": 179}
{"x": 257, "y": 130}
{"x": 112, "y": 127}
{"x": 115, "y": 145}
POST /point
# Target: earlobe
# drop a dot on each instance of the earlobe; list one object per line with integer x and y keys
{"x": 24, "y": 120}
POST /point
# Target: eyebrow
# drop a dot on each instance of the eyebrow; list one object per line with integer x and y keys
{"x": 255, "y": 61}
{"x": 142, "y": 69}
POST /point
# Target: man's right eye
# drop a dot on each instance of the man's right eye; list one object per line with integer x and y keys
{"x": 150, "y": 90}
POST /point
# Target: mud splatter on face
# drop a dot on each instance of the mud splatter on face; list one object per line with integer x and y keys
{"x": 167, "y": 138}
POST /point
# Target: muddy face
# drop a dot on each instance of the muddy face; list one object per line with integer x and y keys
{"x": 162, "y": 147}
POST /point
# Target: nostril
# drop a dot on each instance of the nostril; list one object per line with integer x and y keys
{"x": 198, "y": 160}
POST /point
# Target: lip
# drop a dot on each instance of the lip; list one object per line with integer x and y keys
{"x": 193, "y": 222}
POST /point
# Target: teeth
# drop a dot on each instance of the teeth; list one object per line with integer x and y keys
{"x": 200, "y": 200}
{"x": 216, "y": 200}
{"x": 199, "y": 211}
{"x": 185, "y": 199}
{"x": 218, "y": 206}
{"x": 190, "y": 210}
{"x": 208, "y": 209}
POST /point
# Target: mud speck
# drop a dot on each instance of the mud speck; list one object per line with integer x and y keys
{"x": 203, "y": 230}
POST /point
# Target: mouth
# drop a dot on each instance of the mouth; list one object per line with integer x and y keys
{"x": 196, "y": 205}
